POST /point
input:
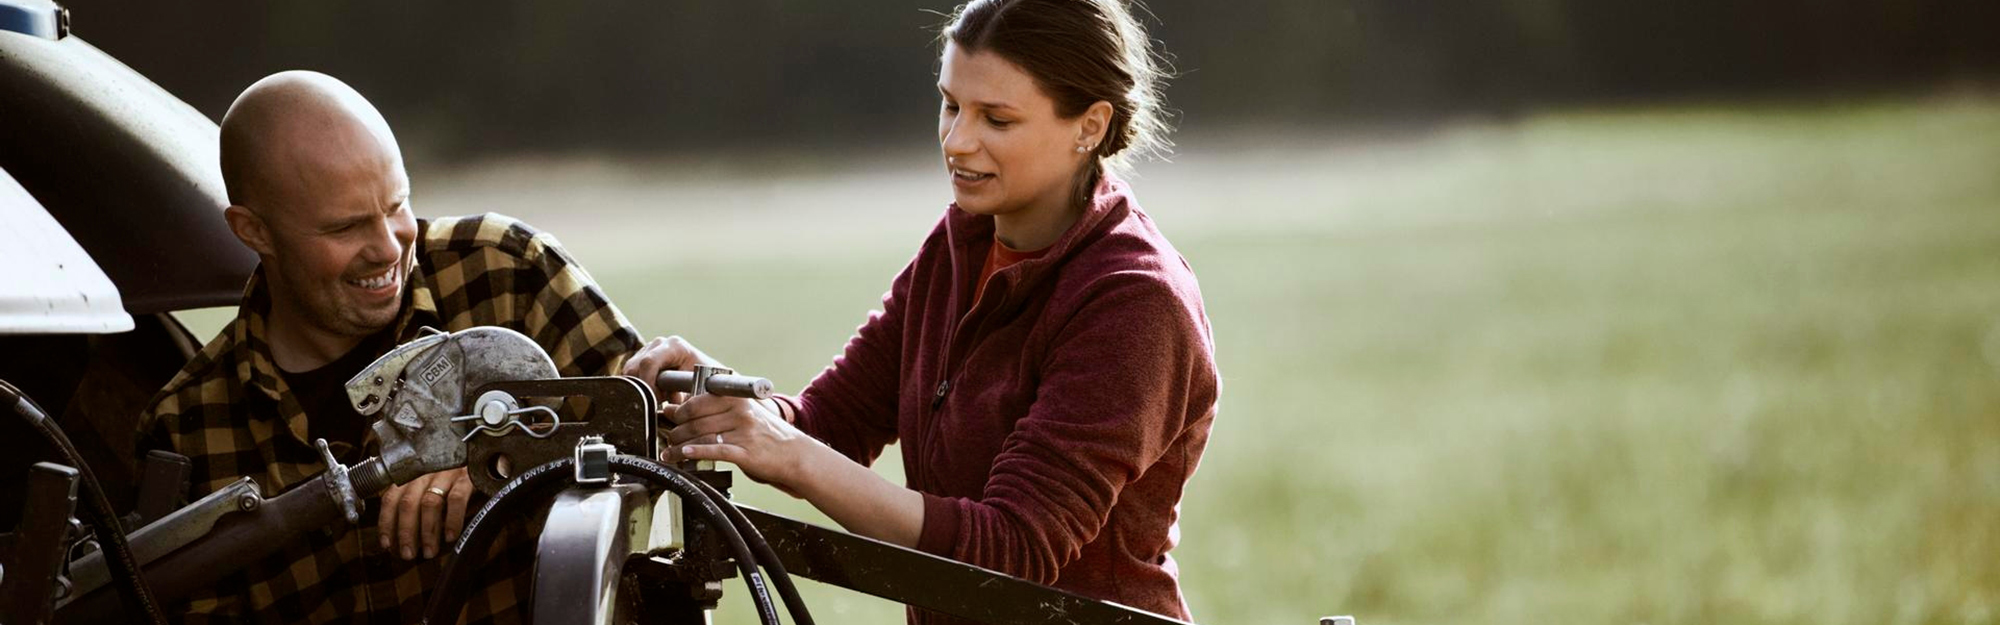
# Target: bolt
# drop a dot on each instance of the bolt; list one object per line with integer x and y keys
{"x": 493, "y": 413}
{"x": 247, "y": 502}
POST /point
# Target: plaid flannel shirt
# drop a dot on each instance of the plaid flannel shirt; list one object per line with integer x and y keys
{"x": 230, "y": 411}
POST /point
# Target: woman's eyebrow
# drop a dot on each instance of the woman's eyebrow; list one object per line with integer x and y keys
{"x": 987, "y": 104}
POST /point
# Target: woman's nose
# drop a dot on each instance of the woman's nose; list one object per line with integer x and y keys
{"x": 958, "y": 139}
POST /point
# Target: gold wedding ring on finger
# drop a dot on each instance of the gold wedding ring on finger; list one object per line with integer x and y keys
{"x": 436, "y": 491}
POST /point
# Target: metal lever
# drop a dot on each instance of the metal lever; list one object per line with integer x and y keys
{"x": 338, "y": 486}
{"x": 718, "y": 380}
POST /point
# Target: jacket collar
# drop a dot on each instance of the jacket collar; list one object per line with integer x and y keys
{"x": 971, "y": 237}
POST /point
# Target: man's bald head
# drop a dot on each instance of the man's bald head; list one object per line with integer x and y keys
{"x": 317, "y": 189}
{"x": 285, "y": 133}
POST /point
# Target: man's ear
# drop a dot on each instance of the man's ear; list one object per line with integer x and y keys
{"x": 250, "y": 229}
{"x": 1096, "y": 120}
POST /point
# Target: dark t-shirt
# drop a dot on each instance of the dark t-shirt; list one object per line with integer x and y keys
{"x": 322, "y": 394}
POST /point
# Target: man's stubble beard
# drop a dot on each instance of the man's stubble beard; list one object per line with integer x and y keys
{"x": 328, "y": 310}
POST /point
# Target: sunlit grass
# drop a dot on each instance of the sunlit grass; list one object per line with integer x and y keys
{"x": 1655, "y": 366}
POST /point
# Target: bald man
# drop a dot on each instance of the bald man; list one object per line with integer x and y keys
{"x": 317, "y": 189}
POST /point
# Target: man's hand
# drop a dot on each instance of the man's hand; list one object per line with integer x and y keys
{"x": 415, "y": 514}
{"x": 666, "y": 354}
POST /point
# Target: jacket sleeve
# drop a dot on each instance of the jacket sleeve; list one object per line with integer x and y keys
{"x": 851, "y": 406}
{"x": 1120, "y": 384}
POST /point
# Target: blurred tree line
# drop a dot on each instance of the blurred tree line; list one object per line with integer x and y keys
{"x": 461, "y": 78}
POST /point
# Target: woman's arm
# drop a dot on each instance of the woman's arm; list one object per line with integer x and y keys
{"x": 851, "y": 405}
{"x": 759, "y": 441}
{"x": 1112, "y": 401}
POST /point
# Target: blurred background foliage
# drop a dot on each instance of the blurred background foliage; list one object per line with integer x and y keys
{"x": 472, "y": 78}
{"x": 1529, "y": 311}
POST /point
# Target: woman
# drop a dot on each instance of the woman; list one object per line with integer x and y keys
{"x": 1045, "y": 360}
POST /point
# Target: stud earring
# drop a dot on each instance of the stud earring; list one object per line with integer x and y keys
{"x": 1082, "y": 149}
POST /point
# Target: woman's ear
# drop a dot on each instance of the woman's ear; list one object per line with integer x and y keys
{"x": 1096, "y": 120}
{"x": 249, "y": 228}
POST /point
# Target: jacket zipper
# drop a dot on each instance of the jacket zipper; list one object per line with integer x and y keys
{"x": 918, "y": 475}
{"x": 944, "y": 386}
{"x": 951, "y": 349}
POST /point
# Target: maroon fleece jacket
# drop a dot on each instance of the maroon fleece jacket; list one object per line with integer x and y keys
{"x": 1052, "y": 427}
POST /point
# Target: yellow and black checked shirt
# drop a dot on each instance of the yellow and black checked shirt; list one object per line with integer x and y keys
{"x": 230, "y": 411}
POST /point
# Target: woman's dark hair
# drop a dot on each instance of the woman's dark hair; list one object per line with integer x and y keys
{"x": 1080, "y": 52}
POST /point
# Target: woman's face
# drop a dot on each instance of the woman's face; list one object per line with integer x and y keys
{"x": 1005, "y": 148}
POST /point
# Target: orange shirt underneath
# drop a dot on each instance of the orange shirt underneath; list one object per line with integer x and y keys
{"x": 999, "y": 257}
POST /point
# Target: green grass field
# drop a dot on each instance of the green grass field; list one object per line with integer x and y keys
{"x": 1693, "y": 365}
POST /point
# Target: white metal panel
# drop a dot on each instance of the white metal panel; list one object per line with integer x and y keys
{"x": 48, "y": 284}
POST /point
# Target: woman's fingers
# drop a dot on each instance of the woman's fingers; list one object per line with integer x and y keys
{"x": 698, "y": 407}
{"x": 738, "y": 431}
{"x": 709, "y": 414}
{"x": 721, "y": 452}
{"x": 706, "y": 406}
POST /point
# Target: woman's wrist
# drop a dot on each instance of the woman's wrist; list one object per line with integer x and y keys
{"x": 781, "y": 408}
{"x": 812, "y": 462}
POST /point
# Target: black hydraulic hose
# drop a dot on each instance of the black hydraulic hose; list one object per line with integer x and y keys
{"x": 449, "y": 596}
{"x": 110, "y": 536}
{"x": 543, "y": 482}
{"x": 794, "y": 604}
{"x": 713, "y": 505}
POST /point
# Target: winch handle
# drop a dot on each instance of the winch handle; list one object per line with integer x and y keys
{"x": 716, "y": 380}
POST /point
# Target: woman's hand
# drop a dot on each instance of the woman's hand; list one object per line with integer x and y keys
{"x": 746, "y": 433}
{"x": 765, "y": 445}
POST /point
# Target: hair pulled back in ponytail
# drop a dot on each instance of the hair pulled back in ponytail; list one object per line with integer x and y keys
{"x": 1080, "y": 52}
